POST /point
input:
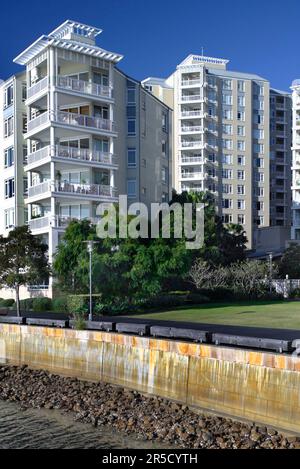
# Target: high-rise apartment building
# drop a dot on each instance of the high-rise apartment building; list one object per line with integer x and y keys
{"x": 76, "y": 131}
{"x": 295, "y": 232}
{"x": 221, "y": 137}
{"x": 280, "y": 158}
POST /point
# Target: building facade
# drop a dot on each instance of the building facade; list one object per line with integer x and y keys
{"x": 280, "y": 158}
{"x": 221, "y": 137}
{"x": 77, "y": 132}
{"x": 295, "y": 231}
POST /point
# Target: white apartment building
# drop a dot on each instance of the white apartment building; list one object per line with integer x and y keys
{"x": 295, "y": 232}
{"x": 76, "y": 131}
{"x": 221, "y": 137}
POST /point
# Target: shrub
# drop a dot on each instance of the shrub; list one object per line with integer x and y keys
{"x": 7, "y": 303}
{"x": 60, "y": 305}
{"x": 79, "y": 322}
{"x": 42, "y": 304}
{"x": 218, "y": 294}
{"x": 26, "y": 304}
{"x": 295, "y": 293}
{"x": 77, "y": 304}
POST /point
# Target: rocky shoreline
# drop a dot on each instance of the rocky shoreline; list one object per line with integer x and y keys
{"x": 149, "y": 418}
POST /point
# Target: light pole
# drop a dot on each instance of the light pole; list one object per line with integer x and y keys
{"x": 270, "y": 269}
{"x": 90, "y": 245}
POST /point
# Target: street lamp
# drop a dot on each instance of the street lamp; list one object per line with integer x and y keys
{"x": 270, "y": 269}
{"x": 90, "y": 246}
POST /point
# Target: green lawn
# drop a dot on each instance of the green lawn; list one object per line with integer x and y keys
{"x": 277, "y": 314}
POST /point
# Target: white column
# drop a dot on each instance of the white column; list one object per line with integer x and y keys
{"x": 112, "y": 178}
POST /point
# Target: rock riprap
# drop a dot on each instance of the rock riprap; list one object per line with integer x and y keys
{"x": 150, "y": 418}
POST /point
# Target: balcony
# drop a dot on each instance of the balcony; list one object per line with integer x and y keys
{"x": 57, "y": 221}
{"x": 191, "y": 82}
{"x": 192, "y": 159}
{"x": 190, "y": 129}
{"x": 197, "y": 113}
{"x": 84, "y": 87}
{"x": 70, "y": 155}
{"x": 192, "y": 175}
{"x": 36, "y": 89}
{"x": 191, "y": 98}
{"x": 81, "y": 120}
{"x": 91, "y": 191}
{"x": 192, "y": 144}
{"x": 38, "y": 121}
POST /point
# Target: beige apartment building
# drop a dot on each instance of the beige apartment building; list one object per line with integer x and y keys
{"x": 221, "y": 142}
{"x": 75, "y": 132}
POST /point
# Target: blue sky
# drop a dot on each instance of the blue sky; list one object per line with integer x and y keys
{"x": 260, "y": 37}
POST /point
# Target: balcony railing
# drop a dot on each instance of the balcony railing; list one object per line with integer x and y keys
{"x": 37, "y": 87}
{"x": 56, "y": 221}
{"x": 86, "y": 155}
{"x": 194, "y": 143}
{"x": 192, "y": 114}
{"x": 82, "y": 120}
{"x": 39, "y": 189}
{"x": 85, "y": 87}
{"x": 191, "y": 97}
{"x": 192, "y": 128}
{"x": 86, "y": 189}
{"x": 194, "y": 81}
{"x": 39, "y": 223}
{"x": 37, "y": 121}
{"x": 38, "y": 155}
{"x": 192, "y": 175}
{"x": 192, "y": 159}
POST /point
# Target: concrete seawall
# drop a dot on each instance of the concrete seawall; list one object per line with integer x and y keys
{"x": 262, "y": 387}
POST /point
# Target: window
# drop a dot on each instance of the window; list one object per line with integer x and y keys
{"x": 241, "y": 189}
{"x": 227, "y": 203}
{"x": 227, "y": 129}
{"x": 211, "y": 157}
{"x": 227, "y": 218}
{"x": 227, "y": 159}
{"x": 241, "y": 145}
{"x": 241, "y": 160}
{"x": 164, "y": 174}
{"x": 8, "y": 96}
{"x": 24, "y": 124}
{"x": 227, "y": 143}
{"x": 260, "y": 206}
{"x": 259, "y": 162}
{"x": 131, "y": 127}
{"x": 164, "y": 121}
{"x": 131, "y": 187}
{"x": 241, "y": 85}
{"x": 260, "y": 192}
{"x": 9, "y": 185}
{"x": 8, "y": 126}
{"x": 227, "y": 84}
{"x": 227, "y": 99}
{"x": 131, "y": 157}
{"x": 241, "y": 130}
{"x": 241, "y": 174}
{"x": 227, "y": 188}
{"x": 260, "y": 221}
{"x": 241, "y": 219}
{"x": 227, "y": 114}
{"x": 260, "y": 177}
{"x": 164, "y": 147}
{"x": 9, "y": 218}
{"x": 241, "y": 204}
{"x": 24, "y": 92}
{"x": 259, "y": 148}
{"x": 131, "y": 112}
{"x": 241, "y": 116}
{"x": 25, "y": 152}
{"x": 25, "y": 185}
{"x": 8, "y": 157}
{"x": 259, "y": 134}
{"x": 131, "y": 96}
{"x": 227, "y": 173}
{"x": 241, "y": 101}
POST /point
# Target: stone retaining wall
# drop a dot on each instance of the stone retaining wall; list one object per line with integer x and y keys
{"x": 258, "y": 386}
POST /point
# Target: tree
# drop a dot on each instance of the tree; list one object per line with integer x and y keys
{"x": 248, "y": 277}
{"x": 23, "y": 260}
{"x": 290, "y": 262}
{"x": 200, "y": 273}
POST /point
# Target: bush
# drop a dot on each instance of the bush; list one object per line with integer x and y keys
{"x": 26, "y": 304}
{"x": 77, "y": 305}
{"x": 295, "y": 293}
{"x": 41, "y": 304}
{"x": 7, "y": 303}
{"x": 60, "y": 305}
{"x": 218, "y": 294}
{"x": 79, "y": 322}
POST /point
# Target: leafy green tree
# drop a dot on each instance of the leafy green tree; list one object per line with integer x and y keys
{"x": 23, "y": 260}
{"x": 290, "y": 262}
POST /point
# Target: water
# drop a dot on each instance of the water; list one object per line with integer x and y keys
{"x": 50, "y": 429}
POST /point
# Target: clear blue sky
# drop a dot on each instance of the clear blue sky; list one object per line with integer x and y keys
{"x": 258, "y": 36}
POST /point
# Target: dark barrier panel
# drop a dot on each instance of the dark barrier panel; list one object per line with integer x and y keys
{"x": 13, "y": 319}
{"x": 140, "y": 329}
{"x": 180, "y": 333}
{"x": 47, "y": 322}
{"x": 260, "y": 343}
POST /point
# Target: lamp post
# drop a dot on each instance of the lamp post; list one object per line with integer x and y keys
{"x": 270, "y": 270}
{"x": 90, "y": 245}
